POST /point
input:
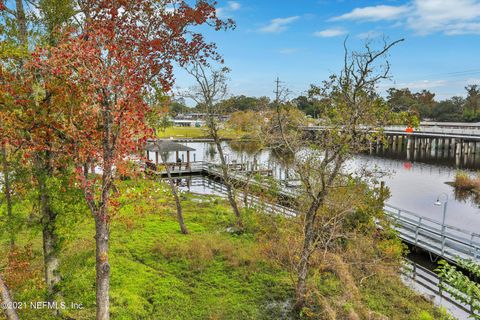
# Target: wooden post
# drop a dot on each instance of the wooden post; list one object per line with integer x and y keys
{"x": 177, "y": 156}
{"x": 188, "y": 159}
{"x": 156, "y": 158}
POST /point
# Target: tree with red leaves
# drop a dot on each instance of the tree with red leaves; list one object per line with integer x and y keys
{"x": 101, "y": 74}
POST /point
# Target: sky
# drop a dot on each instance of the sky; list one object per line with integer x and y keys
{"x": 301, "y": 42}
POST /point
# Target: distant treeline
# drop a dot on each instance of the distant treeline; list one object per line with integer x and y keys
{"x": 422, "y": 103}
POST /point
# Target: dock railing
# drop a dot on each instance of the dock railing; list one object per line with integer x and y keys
{"x": 446, "y": 241}
{"x": 432, "y": 285}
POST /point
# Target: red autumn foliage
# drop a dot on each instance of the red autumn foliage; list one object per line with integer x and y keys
{"x": 95, "y": 81}
{"x": 102, "y": 73}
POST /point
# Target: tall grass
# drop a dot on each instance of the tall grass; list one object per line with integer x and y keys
{"x": 465, "y": 182}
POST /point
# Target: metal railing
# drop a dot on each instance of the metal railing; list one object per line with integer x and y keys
{"x": 251, "y": 201}
{"x": 469, "y": 133}
{"x": 431, "y": 284}
{"x": 445, "y": 241}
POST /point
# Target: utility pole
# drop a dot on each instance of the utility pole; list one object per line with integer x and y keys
{"x": 277, "y": 91}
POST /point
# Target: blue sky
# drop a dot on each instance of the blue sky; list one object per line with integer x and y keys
{"x": 301, "y": 41}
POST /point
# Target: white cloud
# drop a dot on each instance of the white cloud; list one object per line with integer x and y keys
{"x": 225, "y": 12}
{"x": 418, "y": 85}
{"x": 278, "y": 25}
{"x": 329, "y": 33}
{"x": 370, "y": 35}
{"x": 381, "y": 12}
{"x": 234, "y": 6}
{"x": 450, "y": 17}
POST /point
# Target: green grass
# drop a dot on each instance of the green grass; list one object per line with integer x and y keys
{"x": 158, "y": 273}
{"x": 196, "y": 133}
{"x": 183, "y": 132}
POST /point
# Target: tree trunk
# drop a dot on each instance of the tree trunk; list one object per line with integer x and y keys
{"x": 10, "y": 312}
{"x": 8, "y": 195}
{"x": 102, "y": 264}
{"x": 303, "y": 266}
{"x": 48, "y": 220}
{"x": 173, "y": 187}
{"x": 21, "y": 22}
{"x": 226, "y": 179}
{"x": 302, "y": 271}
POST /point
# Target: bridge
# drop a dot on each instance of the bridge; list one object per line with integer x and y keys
{"x": 447, "y": 242}
{"x": 455, "y": 139}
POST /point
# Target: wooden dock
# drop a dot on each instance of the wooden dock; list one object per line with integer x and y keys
{"x": 237, "y": 170}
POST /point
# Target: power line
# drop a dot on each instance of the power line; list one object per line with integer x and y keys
{"x": 455, "y": 73}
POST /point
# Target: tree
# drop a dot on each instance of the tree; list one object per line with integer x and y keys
{"x": 99, "y": 75}
{"x": 29, "y": 114}
{"x": 7, "y": 301}
{"x": 425, "y": 103}
{"x": 210, "y": 89}
{"x": 246, "y": 121}
{"x": 309, "y": 106}
{"x": 403, "y": 100}
{"x": 472, "y": 103}
{"x": 449, "y": 110}
{"x": 244, "y": 103}
{"x": 174, "y": 189}
{"x": 353, "y": 110}
{"x": 157, "y": 118}
{"x": 12, "y": 47}
{"x": 178, "y": 107}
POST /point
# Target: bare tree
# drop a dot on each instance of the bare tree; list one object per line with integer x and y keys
{"x": 6, "y": 300}
{"x": 210, "y": 89}
{"x": 354, "y": 115}
{"x": 174, "y": 189}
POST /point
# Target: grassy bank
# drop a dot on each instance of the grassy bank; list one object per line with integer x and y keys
{"x": 158, "y": 273}
{"x": 198, "y": 133}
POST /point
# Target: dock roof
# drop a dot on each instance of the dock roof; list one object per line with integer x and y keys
{"x": 166, "y": 146}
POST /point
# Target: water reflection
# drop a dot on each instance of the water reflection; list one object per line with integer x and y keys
{"x": 435, "y": 154}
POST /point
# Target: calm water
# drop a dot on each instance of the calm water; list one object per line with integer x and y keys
{"x": 414, "y": 185}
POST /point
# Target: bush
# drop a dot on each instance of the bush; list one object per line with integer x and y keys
{"x": 464, "y": 182}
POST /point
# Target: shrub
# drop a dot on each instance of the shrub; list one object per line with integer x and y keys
{"x": 463, "y": 181}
